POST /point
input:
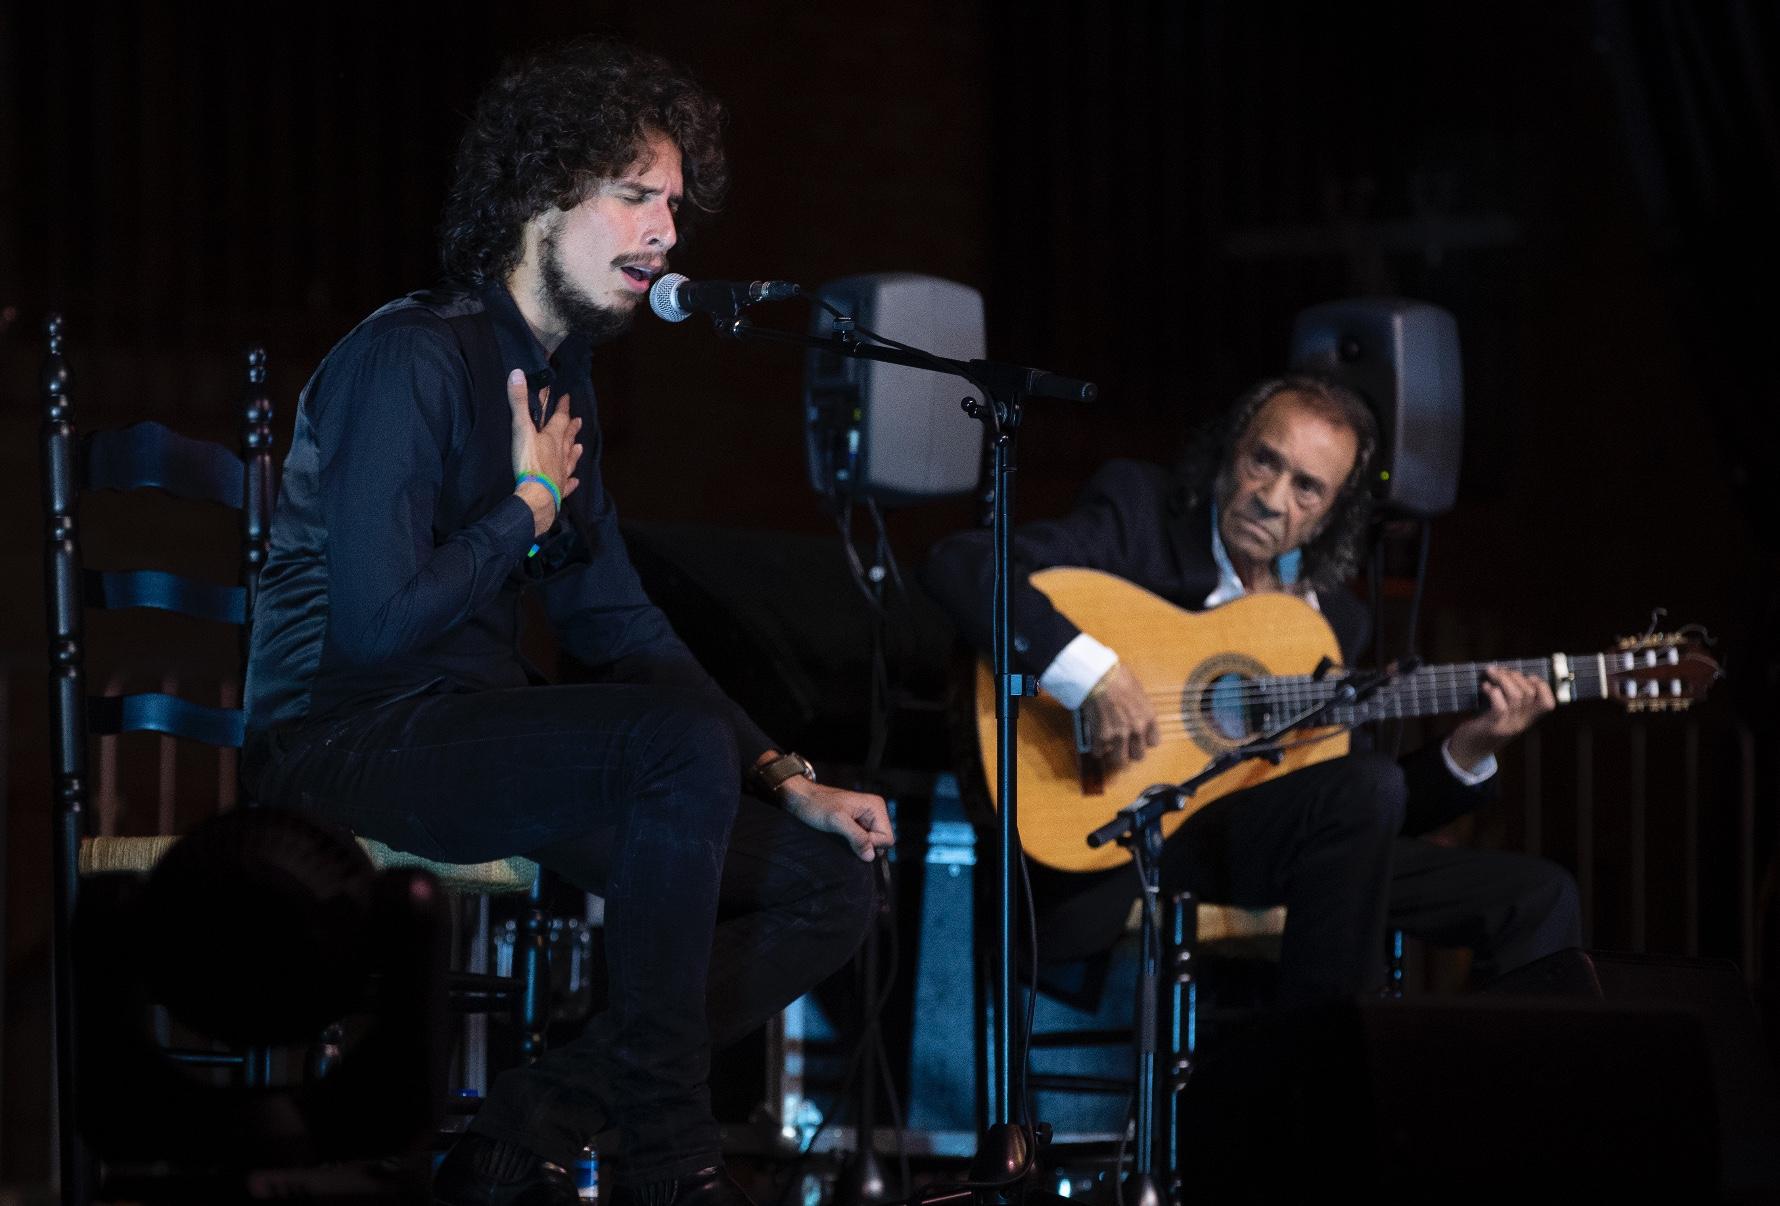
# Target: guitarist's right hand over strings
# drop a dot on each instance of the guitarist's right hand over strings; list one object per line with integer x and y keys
{"x": 1121, "y": 721}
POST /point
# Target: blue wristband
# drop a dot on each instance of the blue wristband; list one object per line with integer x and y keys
{"x": 542, "y": 480}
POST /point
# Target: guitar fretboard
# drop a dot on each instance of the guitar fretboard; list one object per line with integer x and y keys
{"x": 1429, "y": 691}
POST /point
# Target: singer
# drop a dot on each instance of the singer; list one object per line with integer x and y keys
{"x": 445, "y": 460}
{"x": 1271, "y": 499}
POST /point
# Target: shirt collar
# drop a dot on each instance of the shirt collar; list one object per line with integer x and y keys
{"x": 520, "y": 348}
{"x": 1286, "y": 567}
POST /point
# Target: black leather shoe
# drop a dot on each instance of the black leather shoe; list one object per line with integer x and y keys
{"x": 479, "y": 1171}
{"x": 706, "y": 1187}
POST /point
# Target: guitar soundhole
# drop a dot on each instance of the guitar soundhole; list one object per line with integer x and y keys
{"x": 1221, "y": 703}
{"x": 1225, "y": 709}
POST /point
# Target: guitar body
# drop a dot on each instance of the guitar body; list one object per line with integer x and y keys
{"x": 1194, "y": 665}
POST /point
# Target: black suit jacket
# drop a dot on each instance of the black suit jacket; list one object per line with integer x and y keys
{"x": 1132, "y": 521}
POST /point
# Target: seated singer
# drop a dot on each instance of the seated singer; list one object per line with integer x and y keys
{"x": 436, "y": 473}
{"x": 1274, "y": 500}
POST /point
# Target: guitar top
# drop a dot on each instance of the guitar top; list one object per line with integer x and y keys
{"x": 1221, "y": 677}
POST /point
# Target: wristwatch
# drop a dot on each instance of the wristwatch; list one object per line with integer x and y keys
{"x": 773, "y": 775}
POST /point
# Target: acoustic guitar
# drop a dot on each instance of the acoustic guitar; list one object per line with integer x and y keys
{"x": 1219, "y": 678}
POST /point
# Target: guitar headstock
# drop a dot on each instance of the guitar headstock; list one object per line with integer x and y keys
{"x": 1661, "y": 671}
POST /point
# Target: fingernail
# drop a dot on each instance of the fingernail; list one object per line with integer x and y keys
{"x": 515, "y": 377}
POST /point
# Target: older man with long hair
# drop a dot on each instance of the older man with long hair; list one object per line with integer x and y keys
{"x": 1272, "y": 499}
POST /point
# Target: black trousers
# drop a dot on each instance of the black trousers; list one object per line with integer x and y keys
{"x": 720, "y": 909}
{"x": 1326, "y": 842}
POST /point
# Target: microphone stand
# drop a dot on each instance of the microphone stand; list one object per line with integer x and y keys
{"x": 1006, "y": 1153}
{"x": 1138, "y": 827}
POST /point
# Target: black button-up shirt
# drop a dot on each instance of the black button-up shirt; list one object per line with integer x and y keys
{"x": 399, "y": 548}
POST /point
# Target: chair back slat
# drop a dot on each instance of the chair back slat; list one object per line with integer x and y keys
{"x": 146, "y": 455}
{"x": 150, "y": 454}
{"x": 114, "y": 590}
{"x": 156, "y": 712}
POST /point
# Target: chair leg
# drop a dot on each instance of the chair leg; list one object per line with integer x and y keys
{"x": 75, "y": 1165}
{"x": 1394, "y": 966}
{"x": 475, "y": 1022}
{"x": 1182, "y": 1017}
{"x": 534, "y": 1001}
{"x": 324, "y": 1054}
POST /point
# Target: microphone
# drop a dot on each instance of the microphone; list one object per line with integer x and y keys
{"x": 675, "y": 299}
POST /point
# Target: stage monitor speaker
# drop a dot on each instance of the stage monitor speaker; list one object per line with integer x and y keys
{"x": 1712, "y": 990}
{"x": 883, "y": 431}
{"x": 1454, "y": 1101}
{"x": 1403, "y": 357}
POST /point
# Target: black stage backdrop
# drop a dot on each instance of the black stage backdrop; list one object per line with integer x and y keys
{"x": 1145, "y": 192}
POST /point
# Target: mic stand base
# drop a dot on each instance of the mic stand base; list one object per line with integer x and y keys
{"x": 1001, "y": 1155}
{"x": 1141, "y": 1190}
{"x": 1004, "y": 1150}
{"x": 862, "y": 1180}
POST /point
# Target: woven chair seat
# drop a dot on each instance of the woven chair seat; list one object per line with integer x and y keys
{"x": 1229, "y": 931}
{"x": 499, "y": 875}
{"x": 1234, "y": 932}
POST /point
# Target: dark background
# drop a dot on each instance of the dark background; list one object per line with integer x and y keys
{"x": 1145, "y": 193}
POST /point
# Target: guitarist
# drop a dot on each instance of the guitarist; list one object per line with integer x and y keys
{"x": 1272, "y": 499}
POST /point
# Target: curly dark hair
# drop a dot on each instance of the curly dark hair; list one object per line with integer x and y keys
{"x": 554, "y": 124}
{"x": 1332, "y": 555}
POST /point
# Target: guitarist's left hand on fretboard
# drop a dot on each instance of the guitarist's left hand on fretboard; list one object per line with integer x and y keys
{"x": 1513, "y": 701}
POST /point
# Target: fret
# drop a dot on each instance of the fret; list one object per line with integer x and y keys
{"x": 1587, "y": 678}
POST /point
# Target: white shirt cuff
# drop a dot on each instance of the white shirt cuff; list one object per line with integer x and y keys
{"x": 1074, "y": 671}
{"x": 1470, "y": 778}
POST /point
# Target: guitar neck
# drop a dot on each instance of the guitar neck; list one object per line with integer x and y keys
{"x": 1435, "y": 690}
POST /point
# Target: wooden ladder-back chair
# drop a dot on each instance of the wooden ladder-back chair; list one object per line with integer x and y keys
{"x": 149, "y": 455}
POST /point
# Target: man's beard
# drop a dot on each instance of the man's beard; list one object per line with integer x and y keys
{"x": 577, "y": 311}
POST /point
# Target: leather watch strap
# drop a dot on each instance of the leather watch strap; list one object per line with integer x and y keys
{"x": 773, "y": 775}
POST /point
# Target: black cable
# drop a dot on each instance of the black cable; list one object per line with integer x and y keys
{"x": 873, "y": 1015}
{"x": 1421, "y": 583}
{"x": 843, "y": 520}
{"x": 895, "y": 1103}
{"x": 1415, "y": 611}
{"x": 1152, "y": 909}
{"x": 1375, "y": 586}
{"x": 1119, "y": 1151}
{"x": 886, "y": 555}
{"x": 1024, "y": 1062}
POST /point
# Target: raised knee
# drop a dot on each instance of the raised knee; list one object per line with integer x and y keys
{"x": 691, "y": 733}
{"x": 1552, "y": 893}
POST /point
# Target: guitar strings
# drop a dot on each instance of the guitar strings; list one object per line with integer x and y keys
{"x": 1432, "y": 679}
{"x": 1442, "y": 680}
{"x": 1321, "y": 734}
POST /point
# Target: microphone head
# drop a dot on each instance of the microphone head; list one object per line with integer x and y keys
{"x": 663, "y": 299}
